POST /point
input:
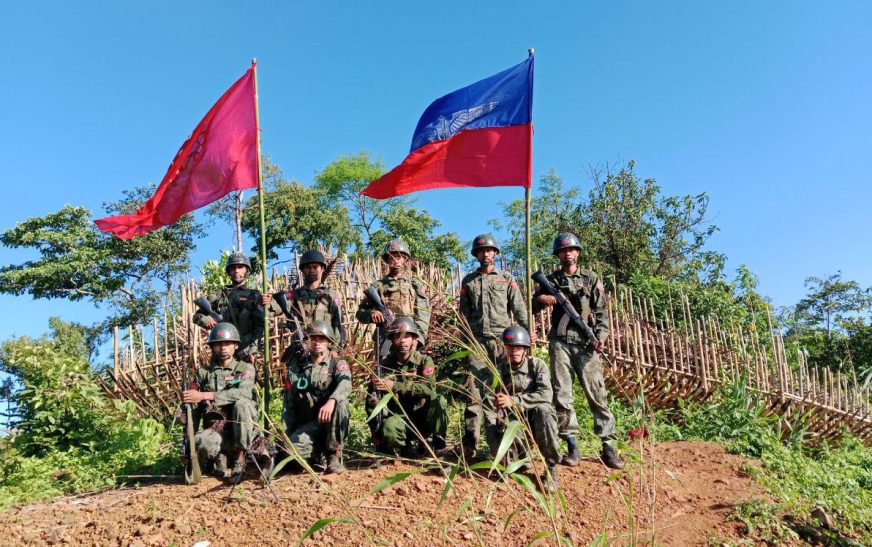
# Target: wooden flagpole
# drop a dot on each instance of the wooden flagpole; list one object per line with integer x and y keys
{"x": 527, "y": 272}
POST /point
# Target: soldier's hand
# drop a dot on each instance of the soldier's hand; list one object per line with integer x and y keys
{"x": 210, "y": 322}
{"x": 596, "y": 345}
{"x": 326, "y": 411}
{"x": 382, "y": 384}
{"x": 504, "y": 400}
{"x": 377, "y": 317}
{"x": 192, "y": 396}
{"x": 546, "y": 300}
{"x": 265, "y": 298}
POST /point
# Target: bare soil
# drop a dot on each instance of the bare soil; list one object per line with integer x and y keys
{"x": 681, "y": 493}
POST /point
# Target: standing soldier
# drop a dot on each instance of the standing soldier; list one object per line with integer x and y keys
{"x": 315, "y": 410}
{"x": 239, "y": 306}
{"x": 226, "y": 407}
{"x": 313, "y": 301}
{"x": 527, "y": 394}
{"x": 489, "y": 298}
{"x": 400, "y": 292}
{"x": 411, "y": 377}
{"x": 571, "y": 352}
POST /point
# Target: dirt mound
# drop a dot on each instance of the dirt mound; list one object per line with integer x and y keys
{"x": 680, "y": 494}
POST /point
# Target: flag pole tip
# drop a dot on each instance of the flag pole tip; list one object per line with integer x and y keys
{"x": 530, "y": 51}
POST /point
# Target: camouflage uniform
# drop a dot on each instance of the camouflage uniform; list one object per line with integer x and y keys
{"x": 320, "y": 304}
{"x": 415, "y": 393}
{"x": 243, "y": 309}
{"x": 307, "y": 388}
{"x": 486, "y": 301}
{"x": 404, "y": 296}
{"x": 571, "y": 352}
{"x": 233, "y": 386}
{"x": 530, "y": 387}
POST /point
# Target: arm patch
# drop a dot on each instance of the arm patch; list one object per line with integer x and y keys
{"x": 342, "y": 366}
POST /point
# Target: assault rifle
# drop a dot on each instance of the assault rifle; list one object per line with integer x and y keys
{"x": 206, "y": 308}
{"x": 189, "y": 450}
{"x": 372, "y": 296}
{"x": 298, "y": 347}
{"x": 570, "y": 311}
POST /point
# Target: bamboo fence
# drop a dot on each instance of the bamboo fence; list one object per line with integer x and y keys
{"x": 664, "y": 356}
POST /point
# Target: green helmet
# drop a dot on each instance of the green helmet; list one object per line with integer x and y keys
{"x": 516, "y": 335}
{"x": 223, "y": 332}
{"x": 237, "y": 258}
{"x": 404, "y": 324}
{"x": 320, "y": 328}
{"x": 482, "y": 241}
{"x": 396, "y": 246}
{"x": 566, "y": 240}
{"x": 313, "y": 257}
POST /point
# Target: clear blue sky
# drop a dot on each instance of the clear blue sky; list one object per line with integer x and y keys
{"x": 764, "y": 105}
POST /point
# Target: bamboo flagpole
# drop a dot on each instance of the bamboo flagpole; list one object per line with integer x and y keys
{"x": 267, "y": 372}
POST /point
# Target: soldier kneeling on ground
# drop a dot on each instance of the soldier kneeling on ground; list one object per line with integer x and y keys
{"x": 225, "y": 405}
{"x": 411, "y": 377}
{"x": 315, "y": 410}
{"x": 528, "y": 384}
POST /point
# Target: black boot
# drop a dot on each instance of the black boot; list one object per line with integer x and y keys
{"x": 572, "y": 457}
{"x": 439, "y": 442}
{"x": 549, "y": 479}
{"x": 238, "y": 469}
{"x": 334, "y": 462}
{"x": 219, "y": 466}
{"x": 610, "y": 458}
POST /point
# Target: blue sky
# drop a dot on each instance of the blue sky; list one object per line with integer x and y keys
{"x": 764, "y": 105}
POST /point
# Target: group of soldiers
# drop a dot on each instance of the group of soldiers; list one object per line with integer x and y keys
{"x": 317, "y": 384}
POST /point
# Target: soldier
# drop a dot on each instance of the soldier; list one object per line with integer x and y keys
{"x": 225, "y": 399}
{"x": 489, "y": 298}
{"x": 400, "y": 292}
{"x": 411, "y": 377}
{"x": 312, "y": 302}
{"x": 315, "y": 410}
{"x": 571, "y": 352}
{"x": 240, "y": 306}
{"x": 526, "y": 392}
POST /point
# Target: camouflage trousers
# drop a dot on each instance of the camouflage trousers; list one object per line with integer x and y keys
{"x": 312, "y": 438}
{"x": 541, "y": 421}
{"x": 237, "y": 433}
{"x": 479, "y": 387}
{"x": 429, "y": 418}
{"x": 584, "y": 363}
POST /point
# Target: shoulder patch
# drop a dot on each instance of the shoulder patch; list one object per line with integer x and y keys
{"x": 342, "y": 366}
{"x": 429, "y": 370}
{"x": 247, "y": 374}
{"x": 291, "y": 294}
{"x": 337, "y": 301}
{"x": 462, "y": 290}
{"x": 600, "y": 287}
{"x": 421, "y": 291}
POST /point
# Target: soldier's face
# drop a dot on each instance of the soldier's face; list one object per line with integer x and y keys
{"x": 404, "y": 342}
{"x": 237, "y": 273}
{"x": 318, "y": 345}
{"x": 568, "y": 256}
{"x": 515, "y": 354}
{"x": 312, "y": 272}
{"x": 396, "y": 261}
{"x": 486, "y": 255}
{"x": 223, "y": 351}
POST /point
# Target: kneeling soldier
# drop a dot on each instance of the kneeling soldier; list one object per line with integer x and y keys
{"x": 529, "y": 391}
{"x": 225, "y": 402}
{"x": 315, "y": 410}
{"x": 411, "y": 377}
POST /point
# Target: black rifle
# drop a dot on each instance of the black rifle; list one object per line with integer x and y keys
{"x": 298, "y": 348}
{"x": 372, "y": 296}
{"x": 570, "y": 311}
{"x": 206, "y": 308}
{"x": 189, "y": 450}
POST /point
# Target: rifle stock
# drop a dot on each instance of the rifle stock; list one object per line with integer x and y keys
{"x": 206, "y": 308}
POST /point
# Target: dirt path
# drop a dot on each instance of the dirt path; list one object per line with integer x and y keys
{"x": 686, "y": 489}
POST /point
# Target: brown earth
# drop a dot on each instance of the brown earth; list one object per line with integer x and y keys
{"x": 681, "y": 493}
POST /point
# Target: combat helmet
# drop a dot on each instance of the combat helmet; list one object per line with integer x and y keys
{"x": 404, "y": 324}
{"x": 320, "y": 328}
{"x": 396, "y": 246}
{"x": 313, "y": 257}
{"x": 566, "y": 240}
{"x": 223, "y": 332}
{"x": 237, "y": 258}
{"x": 516, "y": 335}
{"x": 484, "y": 240}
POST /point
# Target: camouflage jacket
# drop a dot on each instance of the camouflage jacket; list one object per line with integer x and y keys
{"x": 308, "y": 386}
{"x": 404, "y": 296}
{"x": 529, "y": 384}
{"x": 489, "y": 301}
{"x": 585, "y": 291}
{"x": 320, "y": 304}
{"x": 241, "y": 307}
{"x": 414, "y": 380}
{"x": 229, "y": 383}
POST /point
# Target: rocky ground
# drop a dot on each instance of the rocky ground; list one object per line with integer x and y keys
{"x": 680, "y": 493}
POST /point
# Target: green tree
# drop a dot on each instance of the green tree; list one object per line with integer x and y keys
{"x": 416, "y": 228}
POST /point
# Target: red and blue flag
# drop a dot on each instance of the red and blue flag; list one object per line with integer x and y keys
{"x": 479, "y": 135}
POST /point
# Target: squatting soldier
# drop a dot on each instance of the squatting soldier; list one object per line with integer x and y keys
{"x": 411, "y": 377}
{"x": 526, "y": 391}
{"x": 571, "y": 352}
{"x": 489, "y": 298}
{"x": 238, "y": 305}
{"x": 312, "y": 301}
{"x": 315, "y": 410}
{"x": 400, "y": 292}
{"x": 226, "y": 406}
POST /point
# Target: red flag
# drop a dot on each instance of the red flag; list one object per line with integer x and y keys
{"x": 219, "y": 157}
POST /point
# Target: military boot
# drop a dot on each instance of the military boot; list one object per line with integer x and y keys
{"x": 549, "y": 479}
{"x": 439, "y": 442}
{"x": 572, "y": 457}
{"x": 610, "y": 458}
{"x": 334, "y": 462}
{"x": 219, "y": 466}
{"x": 238, "y": 468}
